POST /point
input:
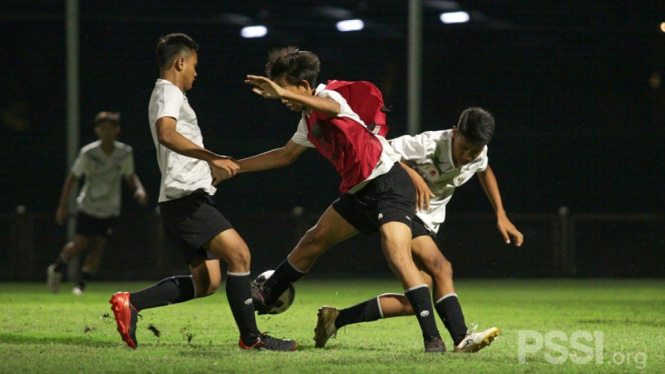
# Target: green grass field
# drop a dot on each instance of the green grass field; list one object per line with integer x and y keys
{"x": 45, "y": 333}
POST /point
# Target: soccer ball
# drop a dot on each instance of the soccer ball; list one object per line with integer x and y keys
{"x": 284, "y": 302}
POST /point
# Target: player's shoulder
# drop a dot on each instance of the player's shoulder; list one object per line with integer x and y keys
{"x": 91, "y": 147}
{"x": 427, "y": 136}
{"x": 327, "y": 91}
{"x": 164, "y": 87}
{"x": 122, "y": 150}
{"x": 123, "y": 147}
{"x": 440, "y": 134}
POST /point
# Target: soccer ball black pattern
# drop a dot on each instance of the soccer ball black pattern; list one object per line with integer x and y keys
{"x": 285, "y": 301}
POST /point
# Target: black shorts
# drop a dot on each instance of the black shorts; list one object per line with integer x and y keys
{"x": 88, "y": 225}
{"x": 192, "y": 221}
{"x": 390, "y": 197}
{"x": 419, "y": 229}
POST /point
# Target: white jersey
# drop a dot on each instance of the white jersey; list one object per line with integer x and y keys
{"x": 430, "y": 154}
{"x": 100, "y": 196}
{"x": 181, "y": 175}
{"x": 388, "y": 156}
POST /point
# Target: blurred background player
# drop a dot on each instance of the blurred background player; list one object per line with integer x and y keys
{"x": 191, "y": 221}
{"x": 438, "y": 162}
{"x": 103, "y": 163}
{"x": 377, "y": 194}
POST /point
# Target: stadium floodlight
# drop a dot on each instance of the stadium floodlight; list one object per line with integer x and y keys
{"x": 454, "y": 17}
{"x": 662, "y": 27}
{"x": 350, "y": 25}
{"x": 253, "y": 31}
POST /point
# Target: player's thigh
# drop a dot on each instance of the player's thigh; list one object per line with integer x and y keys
{"x": 98, "y": 244}
{"x": 331, "y": 229}
{"x": 395, "y": 236}
{"x": 232, "y": 249}
{"x": 81, "y": 241}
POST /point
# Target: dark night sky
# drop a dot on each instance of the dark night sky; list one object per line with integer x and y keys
{"x": 578, "y": 123}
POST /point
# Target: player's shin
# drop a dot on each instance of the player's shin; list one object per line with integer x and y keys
{"x": 420, "y": 299}
{"x": 283, "y": 277}
{"x": 450, "y": 312}
{"x": 239, "y": 296}
{"x": 367, "y": 311}
{"x": 171, "y": 290}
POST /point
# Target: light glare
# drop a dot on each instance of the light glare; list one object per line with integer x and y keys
{"x": 350, "y": 25}
{"x": 253, "y": 31}
{"x": 454, "y": 17}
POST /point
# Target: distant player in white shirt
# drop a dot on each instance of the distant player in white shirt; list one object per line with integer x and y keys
{"x": 438, "y": 162}
{"x": 104, "y": 164}
{"x": 192, "y": 223}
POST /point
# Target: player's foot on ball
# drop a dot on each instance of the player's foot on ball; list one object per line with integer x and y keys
{"x": 325, "y": 326}
{"x": 125, "y": 317}
{"x": 264, "y": 342}
{"x": 258, "y": 299}
{"x": 475, "y": 341}
{"x": 78, "y": 291}
{"x": 434, "y": 344}
{"x": 53, "y": 279}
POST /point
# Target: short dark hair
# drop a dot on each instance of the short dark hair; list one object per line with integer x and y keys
{"x": 293, "y": 65}
{"x": 103, "y": 117}
{"x": 476, "y": 125}
{"x": 171, "y": 46}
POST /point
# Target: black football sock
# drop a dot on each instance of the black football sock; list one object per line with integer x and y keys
{"x": 171, "y": 290}
{"x": 450, "y": 311}
{"x": 60, "y": 264}
{"x": 283, "y": 277}
{"x": 367, "y": 311}
{"x": 421, "y": 302}
{"x": 239, "y": 295}
{"x": 84, "y": 278}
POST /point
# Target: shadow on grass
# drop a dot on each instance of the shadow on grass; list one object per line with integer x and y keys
{"x": 65, "y": 340}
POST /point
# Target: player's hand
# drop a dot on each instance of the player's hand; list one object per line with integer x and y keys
{"x": 61, "y": 215}
{"x": 508, "y": 230}
{"x": 423, "y": 193}
{"x": 265, "y": 87}
{"x": 140, "y": 196}
{"x": 223, "y": 168}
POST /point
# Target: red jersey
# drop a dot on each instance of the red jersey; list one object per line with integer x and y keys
{"x": 349, "y": 145}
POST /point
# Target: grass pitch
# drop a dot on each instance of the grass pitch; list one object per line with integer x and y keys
{"x": 585, "y": 326}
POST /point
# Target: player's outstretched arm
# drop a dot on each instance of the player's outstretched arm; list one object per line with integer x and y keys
{"x": 63, "y": 208}
{"x": 276, "y": 158}
{"x": 222, "y": 167}
{"x": 491, "y": 187}
{"x": 139, "y": 192}
{"x": 270, "y": 90}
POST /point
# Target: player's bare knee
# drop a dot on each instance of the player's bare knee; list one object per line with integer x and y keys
{"x": 239, "y": 258}
{"x": 440, "y": 269}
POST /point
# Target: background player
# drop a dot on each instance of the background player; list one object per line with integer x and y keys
{"x": 377, "y": 194}
{"x": 103, "y": 163}
{"x": 191, "y": 220}
{"x": 438, "y": 162}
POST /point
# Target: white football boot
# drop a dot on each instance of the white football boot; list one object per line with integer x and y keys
{"x": 475, "y": 341}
